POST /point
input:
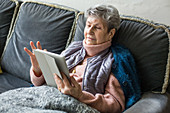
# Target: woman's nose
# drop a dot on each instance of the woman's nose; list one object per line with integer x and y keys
{"x": 90, "y": 30}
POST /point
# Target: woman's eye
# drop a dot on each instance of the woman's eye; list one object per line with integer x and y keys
{"x": 98, "y": 27}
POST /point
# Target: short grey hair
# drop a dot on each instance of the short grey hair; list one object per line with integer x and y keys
{"x": 108, "y": 13}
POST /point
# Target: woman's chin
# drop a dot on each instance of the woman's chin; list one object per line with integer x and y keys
{"x": 90, "y": 43}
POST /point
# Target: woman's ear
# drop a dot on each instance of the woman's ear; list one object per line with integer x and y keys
{"x": 112, "y": 33}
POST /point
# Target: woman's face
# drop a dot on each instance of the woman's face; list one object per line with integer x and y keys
{"x": 95, "y": 31}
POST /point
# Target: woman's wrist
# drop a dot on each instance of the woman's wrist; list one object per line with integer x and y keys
{"x": 37, "y": 72}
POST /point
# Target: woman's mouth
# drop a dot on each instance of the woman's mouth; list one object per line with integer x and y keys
{"x": 90, "y": 38}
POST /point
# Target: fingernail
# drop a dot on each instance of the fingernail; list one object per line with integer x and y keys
{"x": 54, "y": 74}
{"x": 30, "y": 42}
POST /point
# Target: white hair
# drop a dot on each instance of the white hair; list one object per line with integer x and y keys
{"x": 108, "y": 13}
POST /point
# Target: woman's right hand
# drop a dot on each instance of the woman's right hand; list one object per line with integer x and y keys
{"x": 34, "y": 62}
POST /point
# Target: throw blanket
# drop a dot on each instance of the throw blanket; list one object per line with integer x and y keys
{"x": 124, "y": 69}
{"x": 43, "y": 99}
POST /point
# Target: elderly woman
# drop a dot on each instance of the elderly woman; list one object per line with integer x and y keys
{"x": 89, "y": 62}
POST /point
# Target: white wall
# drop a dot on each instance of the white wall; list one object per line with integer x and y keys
{"x": 153, "y": 10}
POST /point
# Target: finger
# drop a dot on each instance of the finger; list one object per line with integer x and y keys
{"x": 39, "y": 45}
{"x": 74, "y": 82}
{"x": 45, "y": 49}
{"x": 65, "y": 80}
{"x": 28, "y": 51}
{"x": 33, "y": 59}
{"x": 32, "y": 45}
{"x": 58, "y": 81}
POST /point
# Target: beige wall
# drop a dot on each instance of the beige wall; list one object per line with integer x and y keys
{"x": 153, "y": 10}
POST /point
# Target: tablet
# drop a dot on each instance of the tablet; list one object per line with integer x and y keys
{"x": 51, "y": 63}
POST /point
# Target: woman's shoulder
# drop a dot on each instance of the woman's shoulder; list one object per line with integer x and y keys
{"x": 72, "y": 48}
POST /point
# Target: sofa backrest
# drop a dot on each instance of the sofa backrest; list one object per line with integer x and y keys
{"x": 8, "y": 10}
{"x": 149, "y": 44}
{"x": 51, "y": 24}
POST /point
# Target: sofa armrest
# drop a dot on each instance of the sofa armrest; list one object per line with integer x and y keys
{"x": 151, "y": 103}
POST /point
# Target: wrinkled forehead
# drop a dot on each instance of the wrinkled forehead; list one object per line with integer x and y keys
{"x": 96, "y": 20}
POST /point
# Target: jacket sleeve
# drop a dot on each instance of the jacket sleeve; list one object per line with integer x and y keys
{"x": 112, "y": 101}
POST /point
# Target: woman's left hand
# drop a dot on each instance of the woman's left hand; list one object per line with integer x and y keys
{"x": 71, "y": 88}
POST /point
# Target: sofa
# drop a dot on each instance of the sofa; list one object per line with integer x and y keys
{"x": 56, "y": 26}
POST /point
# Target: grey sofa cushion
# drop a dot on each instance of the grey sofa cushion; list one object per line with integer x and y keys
{"x": 79, "y": 27}
{"x": 8, "y": 82}
{"x": 49, "y": 24}
{"x": 7, "y": 11}
{"x": 149, "y": 44}
{"x": 151, "y": 103}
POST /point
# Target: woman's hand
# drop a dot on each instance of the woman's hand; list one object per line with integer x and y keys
{"x": 72, "y": 89}
{"x": 34, "y": 61}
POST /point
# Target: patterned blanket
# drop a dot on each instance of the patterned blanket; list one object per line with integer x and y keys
{"x": 43, "y": 99}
